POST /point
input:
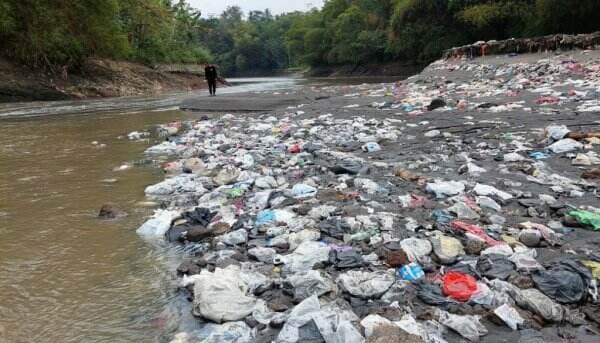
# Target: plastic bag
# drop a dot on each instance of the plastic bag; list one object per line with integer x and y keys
{"x": 304, "y": 257}
{"x": 566, "y": 281}
{"x": 310, "y": 282}
{"x": 416, "y": 248}
{"x": 442, "y": 189}
{"x": 467, "y": 326}
{"x": 157, "y": 227}
{"x": 447, "y": 249}
{"x": 495, "y": 266}
{"x": 535, "y": 301}
{"x": 302, "y": 191}
{"x": 565, "y": 145}
{"x": 221, "y": 296}
{"x": 510, "y": 316}
{"x": 371, "y": 147}
{"x": 475, "y": 230}
{"x": 587, "y": 218}
{"x": 411, "y": 272}
{"x": 233, "y": 332}
{"x": 366, "y": 285}
{"x": 265, "y": 217}
{"x": 485, "y": 190}
{"x": 594, "y": 267}
{"x": 459, "y": 286}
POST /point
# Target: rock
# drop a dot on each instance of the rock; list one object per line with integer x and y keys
{"x": 111, "y": 211}
{"x": 530, "y": 237}
{"x": 474, "y": 246}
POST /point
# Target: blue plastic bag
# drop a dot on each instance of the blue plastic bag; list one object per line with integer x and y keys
{"x": 265, "y": 217}
{"x": 411, "y": 272}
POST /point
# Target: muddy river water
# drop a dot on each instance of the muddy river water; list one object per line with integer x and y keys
{"x": 65, "y": 275}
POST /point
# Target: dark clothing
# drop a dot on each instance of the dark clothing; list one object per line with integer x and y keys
{"x": 212, "y": 87}
{"x": 210, "y": 72}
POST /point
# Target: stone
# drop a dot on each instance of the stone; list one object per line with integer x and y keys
{"x": 474, "y": 246}
{"x": 111, "y": 211}
{"x": 530, "y": 237}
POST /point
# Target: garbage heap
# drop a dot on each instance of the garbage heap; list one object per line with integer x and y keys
{"x": 384, "y": 223}
{"x": 526, "y": 45}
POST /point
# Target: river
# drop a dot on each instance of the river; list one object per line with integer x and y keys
{"x": 65, "y": 275}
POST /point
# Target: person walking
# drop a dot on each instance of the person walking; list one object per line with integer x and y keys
{"x": 210, "y": 73}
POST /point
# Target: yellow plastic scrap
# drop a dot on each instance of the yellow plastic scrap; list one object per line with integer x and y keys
{"x": 594, "y": 266}
{"x": 510, "y": 240}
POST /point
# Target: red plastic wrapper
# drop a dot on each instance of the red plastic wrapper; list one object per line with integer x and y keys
{"x": 459, "y": 286}
{"x": 475, "y": 230}
{"x": 294, "y": 149}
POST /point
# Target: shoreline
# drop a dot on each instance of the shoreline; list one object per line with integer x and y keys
{"x": 302, "y": 213}
{"x": 97, "y": 79}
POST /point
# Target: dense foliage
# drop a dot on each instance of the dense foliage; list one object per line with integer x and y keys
{"x": 367, "y": 31}
{"x": 60, "y": 32}
{"x": 57, "y": 33}
{"x": 256, "y": 43}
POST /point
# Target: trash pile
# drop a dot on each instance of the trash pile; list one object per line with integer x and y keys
{"x": 347, "y": 227}
{"x": 526, "y": 45}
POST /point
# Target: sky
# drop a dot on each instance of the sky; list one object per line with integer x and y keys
{"x": 216, "y": 7}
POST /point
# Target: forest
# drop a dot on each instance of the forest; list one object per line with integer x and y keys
{"x": 53, "y": 34}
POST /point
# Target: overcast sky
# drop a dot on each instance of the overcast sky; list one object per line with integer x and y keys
{"x": 215, "y": 7}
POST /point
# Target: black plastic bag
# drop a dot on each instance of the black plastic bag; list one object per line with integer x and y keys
{"x": 495, "y": 266}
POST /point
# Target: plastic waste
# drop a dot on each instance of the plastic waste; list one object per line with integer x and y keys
{"x": 565, "y": 145}
{"x": 586, "y": 218}
{"x": 475, "y": 230}
{"x": 371, "y": 147}
{"x": 467, "y": 326}
{"x": 594, "y": 267}
{"x": 264, "y": 217}
{"x": 222, "y": 296}
{"x": 510, "y": 316}
{"x": 310, "y": 283}
{"x": 442, "y": 216}
{"x": 495, "y": 266}
{"x": 366, "y": 285}
{"x": 411, "y": 272}
{"x": 302, "y": 191}
{"x": 373, "y": 321}
{"x": 485, "y": 190}
{"x": 232, "y": 332}
{"x": 346, "y": 259}
{"x": 446, "y": 249}
{"x": 459, "y": 286}
{"x": 566, "y": 281}
{"x": 443, "y": 189}
{"x": 535, "y": 301}
{"x": 361, "y": 236}
{"x": 557, "y": 132}
{"x": 158, "y": 225}
{"x": 416, "y": 248}
{"x": 304, "y": 257}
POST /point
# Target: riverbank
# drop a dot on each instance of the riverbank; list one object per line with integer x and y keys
{"x": 451, "y": 205}
{"x": 390, "y": 69}
{"x": 97, "y": 78}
